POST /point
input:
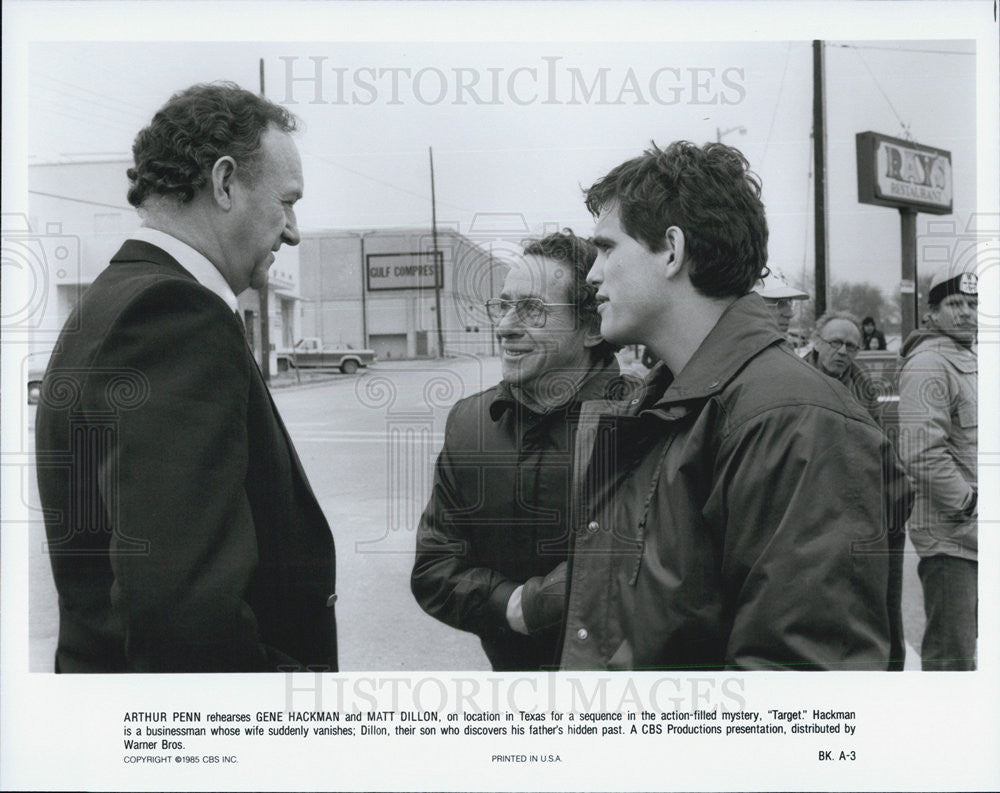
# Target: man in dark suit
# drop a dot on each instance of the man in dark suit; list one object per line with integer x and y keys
{"x": 183, "y": 534}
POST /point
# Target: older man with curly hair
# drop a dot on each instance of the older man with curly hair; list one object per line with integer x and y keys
{"x": 183, "y": 534}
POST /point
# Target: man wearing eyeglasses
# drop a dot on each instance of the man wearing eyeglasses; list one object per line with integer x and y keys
{"x": 939, "y": 440}
{"x": 491, "y": 544}
{"x": 837, "y": 339}
{"x": 725, "y": 508}
{"x": 780, "y": 298}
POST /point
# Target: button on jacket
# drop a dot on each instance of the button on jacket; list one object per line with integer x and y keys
{"x": 498, "y": 515}
{"x": 739, "y": 514}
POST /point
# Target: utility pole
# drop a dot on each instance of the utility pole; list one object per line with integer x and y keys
{"x": 493, "y": 336}
{"x": 434, "y": 254}
{"x": 819, "y": 183}
{"x": 262, "y": 294}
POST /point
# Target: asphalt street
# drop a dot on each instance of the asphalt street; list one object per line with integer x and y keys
{"x": 368, "y": 443}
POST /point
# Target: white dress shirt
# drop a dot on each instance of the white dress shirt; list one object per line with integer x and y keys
{"x": 187, "y": 257}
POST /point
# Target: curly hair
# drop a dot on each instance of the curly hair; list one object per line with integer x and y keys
{"x": 579, "y": 255}
{"x": 710, "y": 193}
{"x": 174, "y": 155}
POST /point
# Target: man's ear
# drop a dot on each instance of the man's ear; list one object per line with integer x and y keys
{"x": 674, "y": 250}
{"x": 223, "y": 176}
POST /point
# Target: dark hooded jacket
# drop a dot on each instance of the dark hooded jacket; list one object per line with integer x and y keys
{"x": 499, "y": 514}
{"x": 729, "y": 517}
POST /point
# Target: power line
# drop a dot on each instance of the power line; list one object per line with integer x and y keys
{"x": 777, "y": 102}
{"x": 377, "y": 180}
{"x": 904, "y": 125}
{"x": 132, "y": 109}
{"x": 899, "y": 49}
{"x": 79, "y": 200}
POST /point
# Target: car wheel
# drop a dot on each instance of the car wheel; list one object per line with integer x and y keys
{"x": 349, "y": 367}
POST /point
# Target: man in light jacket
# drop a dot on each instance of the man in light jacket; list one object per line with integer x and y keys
{"x": 938, "y": 442}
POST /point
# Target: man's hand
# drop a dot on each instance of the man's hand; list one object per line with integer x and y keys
{"x": 537, "y": 605}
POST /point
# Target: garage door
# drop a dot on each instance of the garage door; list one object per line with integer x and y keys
{"x": 388, "y": 346}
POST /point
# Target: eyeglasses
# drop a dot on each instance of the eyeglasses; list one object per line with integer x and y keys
{"x": 836, "y": 344}
{"x": 531, "y": 311}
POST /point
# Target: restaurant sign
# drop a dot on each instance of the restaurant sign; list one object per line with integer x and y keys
{"x": 903, "y": 174}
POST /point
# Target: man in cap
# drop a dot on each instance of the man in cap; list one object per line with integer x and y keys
{"x": 779, "y": 296}
{"x": 938, "y": 442}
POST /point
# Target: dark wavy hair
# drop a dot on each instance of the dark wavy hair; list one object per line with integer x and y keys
{"x": 174, "y": 155}
{"x": 579, "y": 255}
{"x": 708, "y": 192}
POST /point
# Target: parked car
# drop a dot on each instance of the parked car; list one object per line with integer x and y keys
{"x": 310, "y": 353}
{"x": 35, "y": 385}
{"x": 34, "y": 365}
{"x": 883, "y": 368}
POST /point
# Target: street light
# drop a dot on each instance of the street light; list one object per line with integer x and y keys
{"x": 721, "y": 133}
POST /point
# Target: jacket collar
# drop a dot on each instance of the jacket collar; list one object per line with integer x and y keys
{"x": 139, "y": 251}
{"x": 850, "y": 375}
{"x": 932, "y": 339}
{"x": 744, "y": 330}
{"x": 178, "y": 257}
{"x": 602, "y": 382}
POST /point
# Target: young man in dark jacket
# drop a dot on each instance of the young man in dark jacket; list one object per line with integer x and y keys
{"x": 730, "y": 516}
{"x": 491, "y": 545}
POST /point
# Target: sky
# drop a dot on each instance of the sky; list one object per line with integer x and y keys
{"x": 518, "y": 129}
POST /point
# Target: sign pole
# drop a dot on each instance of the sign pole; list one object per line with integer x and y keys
{"x": 819, "y": 182}
{"x": 912, "y": 178}
{"x": 908, "y": 274}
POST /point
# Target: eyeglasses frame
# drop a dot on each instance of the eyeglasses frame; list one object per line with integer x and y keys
{"x": 499, "y": 301}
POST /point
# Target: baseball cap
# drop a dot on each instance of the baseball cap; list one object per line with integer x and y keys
{"x": 945, "y": 283}
{"x": 775, "y": 287}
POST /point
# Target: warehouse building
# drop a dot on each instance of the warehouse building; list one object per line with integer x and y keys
{"x": 360, "y": 288}
{"x": 385, "y": 289}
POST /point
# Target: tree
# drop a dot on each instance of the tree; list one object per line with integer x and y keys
{"x": 865, "y": 300}
{"x": 923, "y": 288}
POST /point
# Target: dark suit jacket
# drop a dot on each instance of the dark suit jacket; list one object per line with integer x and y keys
{"x": 183, "y": 534}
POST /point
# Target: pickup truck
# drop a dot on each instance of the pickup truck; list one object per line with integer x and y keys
{"x": 310, "y": 353}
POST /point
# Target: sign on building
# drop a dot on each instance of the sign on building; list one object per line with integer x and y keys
{"x": 386, "y": 271}
{"x": 903, "y": 174}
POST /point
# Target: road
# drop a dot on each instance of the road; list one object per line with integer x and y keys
{"x": 368, "y": 443}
